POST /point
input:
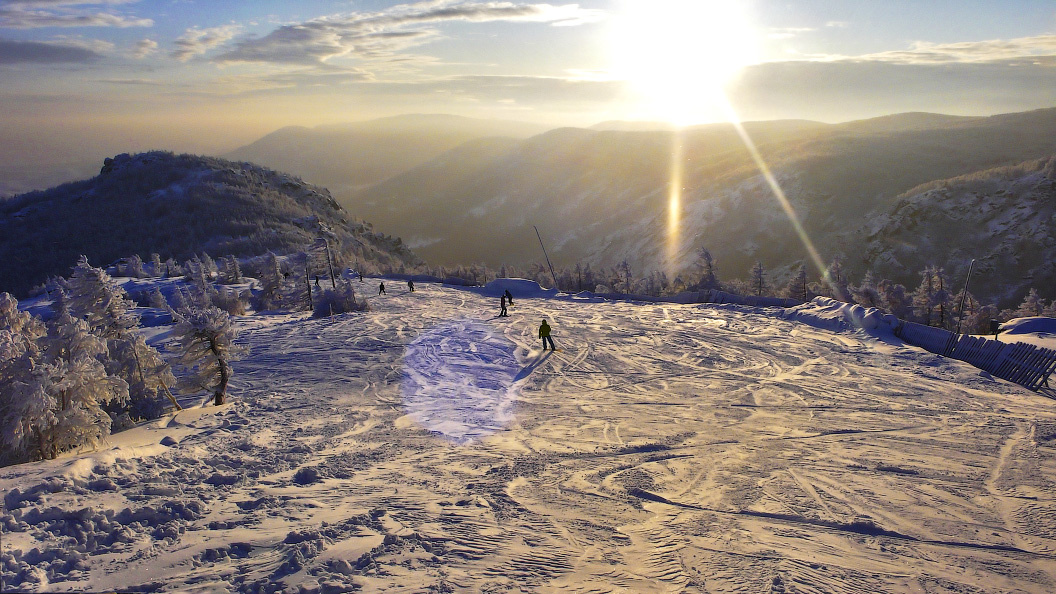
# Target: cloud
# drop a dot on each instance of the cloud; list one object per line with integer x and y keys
{"x": 787, "y": 32}
{"x": 1021, "y": 49}
{"x": 32, "y": 14}
{"x": 385, "y": 34}
{"x": 144, "y": 48}
{"x": 37, "y": 52}
{"x": 195, "y": 42}
{"x": 854, "y": 89}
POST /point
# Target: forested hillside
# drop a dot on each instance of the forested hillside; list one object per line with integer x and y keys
{"x": 177, "y": 206}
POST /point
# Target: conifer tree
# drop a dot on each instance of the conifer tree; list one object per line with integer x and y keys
{"x": 707, "y": 271}
{"x": 866, "y": 293}
{"x": 757, "y": 279}
{"x": 924, "y": 297}
{"x": 797, "y": 285}
{"x": 1031, "y": 306}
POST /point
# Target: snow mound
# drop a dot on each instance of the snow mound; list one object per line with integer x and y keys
{"x": 1038, "y": 325}
{"x": 830, "y": 314}
{"x": 518, "y": 287}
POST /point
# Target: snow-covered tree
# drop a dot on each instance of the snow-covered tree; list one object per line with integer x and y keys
{"x": 156, "y": 267}
{"x": 757, "y": 280}
{"x": 271, "y": 281}
{"x": 133, "y": 267}
{"x": 866, "y": 293}
{"x": 103, "y": 304}
{"x": 797, "y": 285}
{"x": 893, "y": 298}
{"x": 706, "y": 264}
{"x": 924, "y": 297}
{"x": 230, "y": 271}
{"x": 943, "y": 298}
{"x": 207, "y": 338}
{"x": 835, "y": 280}
{"x": 1032, "y": 305}
{"x": 330, "y": 301}
{"x": 99, "y": 300}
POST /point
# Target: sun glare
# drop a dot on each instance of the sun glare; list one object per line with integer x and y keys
{"x": 677, "y": 55}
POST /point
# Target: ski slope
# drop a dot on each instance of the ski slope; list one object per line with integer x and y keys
{"x": 429, "y": 445}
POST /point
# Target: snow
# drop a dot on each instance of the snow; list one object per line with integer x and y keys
{"x": 428, "y": 445}
{"x": 1038, "y": 331}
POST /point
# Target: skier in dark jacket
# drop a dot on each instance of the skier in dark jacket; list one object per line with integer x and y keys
{"x": 502, "y": 307}
{"x": 544, "y": 333}
{"x": 509, "y": 297}
{"x": 381, "y": 289}
{"x": 410, "y": 285}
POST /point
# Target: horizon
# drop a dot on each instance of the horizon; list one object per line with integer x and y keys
{"x": 102, "y": 77}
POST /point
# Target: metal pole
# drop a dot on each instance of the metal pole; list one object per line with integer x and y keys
{"x": 545, "y": 256}
{"x": 330, "y": 263}
{"x": 964, "y": 294}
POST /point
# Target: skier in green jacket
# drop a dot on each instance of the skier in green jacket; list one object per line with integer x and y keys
{"x": 544, "y": 333}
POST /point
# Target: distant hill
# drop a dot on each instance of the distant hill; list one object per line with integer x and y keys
{"x": 349, "y": 157}
{"x": 601, "y": 196}
{"x": 176, "y": 206}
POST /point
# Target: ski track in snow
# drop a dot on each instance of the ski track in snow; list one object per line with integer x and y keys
{"x": 429, "y": 446}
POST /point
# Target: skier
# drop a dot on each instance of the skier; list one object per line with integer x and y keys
{"x": 410, "y": 285}
{"x": 502, "y": 307}
{"x": 544, "y": 333}
{"x": 360, "y": 277}
{"x": 381, "y": 289}
{"x": 509, "y": 297}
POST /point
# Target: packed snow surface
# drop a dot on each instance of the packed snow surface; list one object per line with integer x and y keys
{"x": 429, "y": 445}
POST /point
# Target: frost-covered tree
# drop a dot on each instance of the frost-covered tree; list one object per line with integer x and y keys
{"x": 797, "y": 285}
{"x": 924, "y": 297}
{"x": 893, "y": 298}
{"x": 230, "y": 271}
{"x": 866, "y": 293}
{"x": 943, "y": 298}
{"x": 757, "y": 279}
{"x": 835, "y": 280}
{"x": 133, "y": 267}
{"x": 271, "y": 281}
{"x": 103, "y": 304}
{"x": 1032, "y": 305}
{"x": 52, "y": 385}
{"x": 207, "y": 338}
{"x": 330, "y": 301}
{"x": 706, "y": 264}
{"x": 156, "y": 267}
{"x": 208, "y": 266}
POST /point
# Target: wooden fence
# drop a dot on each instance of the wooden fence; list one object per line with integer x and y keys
{"x": 1021, "y": 363}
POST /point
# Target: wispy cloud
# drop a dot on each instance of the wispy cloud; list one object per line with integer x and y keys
{"x": 144, "y": 48}
{"x": 996, "y": 50}
{"x": 32, "y": 14}
{"x": 195, "y": 42}
{"x": 382, "y": 35}
{"x": 787, "y": 32}
{"x": 37, "y": 52}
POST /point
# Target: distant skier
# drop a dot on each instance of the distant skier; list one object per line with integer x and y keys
{"x": 544, "y": 333}
{"x": 410, "y": 285}
{"x": 502, "y": 307}
{"x": 509, "y": 297}
{"x": 381, "y": 289}
{"x": 360, "y": 277}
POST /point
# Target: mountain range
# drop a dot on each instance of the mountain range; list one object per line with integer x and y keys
{"x": 602, "y": 195}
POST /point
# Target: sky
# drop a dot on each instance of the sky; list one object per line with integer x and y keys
{"x": 187, "y": 75}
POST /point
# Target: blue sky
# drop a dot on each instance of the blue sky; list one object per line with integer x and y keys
{"x": 209, "y": 76}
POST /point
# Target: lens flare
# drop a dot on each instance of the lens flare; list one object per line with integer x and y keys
{"x": 674, "y": 205}
{"x": 775, "y": 187}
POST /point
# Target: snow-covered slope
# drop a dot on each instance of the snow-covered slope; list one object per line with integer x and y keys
{"x": 430, "y": 446}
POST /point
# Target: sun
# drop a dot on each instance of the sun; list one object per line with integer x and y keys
{"x": 677, "y": 55}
